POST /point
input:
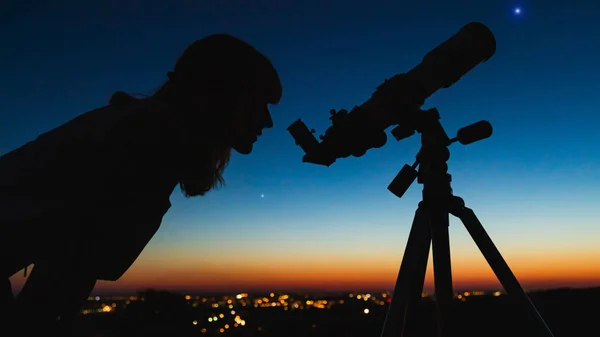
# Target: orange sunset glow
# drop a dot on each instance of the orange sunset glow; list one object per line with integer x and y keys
{"x": 534, "y": 271}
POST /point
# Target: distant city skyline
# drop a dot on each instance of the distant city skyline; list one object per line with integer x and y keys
{"x": 106, "y": 293}
{"x": 566, "y": 311}
{"x": 283, "y": 224}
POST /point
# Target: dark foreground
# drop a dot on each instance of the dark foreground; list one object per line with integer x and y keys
{"x": 568, "y": 312}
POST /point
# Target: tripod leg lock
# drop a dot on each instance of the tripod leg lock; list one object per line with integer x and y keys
{"x": 456, "y": 206}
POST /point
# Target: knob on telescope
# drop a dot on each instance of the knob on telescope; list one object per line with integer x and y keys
{"x": 474, "y": 132}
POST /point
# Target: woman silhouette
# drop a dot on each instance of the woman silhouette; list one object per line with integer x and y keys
{"x": 81, "y": 201}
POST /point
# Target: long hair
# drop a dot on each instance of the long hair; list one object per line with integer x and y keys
{"x": 218, "y": 68}
{"x": 201, "y": 163}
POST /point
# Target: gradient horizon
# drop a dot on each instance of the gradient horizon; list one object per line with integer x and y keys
{"x": 283, "y": 224}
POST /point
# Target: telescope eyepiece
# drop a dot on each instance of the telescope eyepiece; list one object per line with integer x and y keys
{"x": 303, "y": 136}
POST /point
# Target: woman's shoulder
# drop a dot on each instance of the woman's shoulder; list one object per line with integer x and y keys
{"x": 93, "y": 148}
{"x": 100, "y": 124}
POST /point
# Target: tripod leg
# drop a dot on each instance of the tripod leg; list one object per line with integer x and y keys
{"x": 416, "y": 294}
{"x": 498, "y": 264}
{"x": 442, "y": 270}
{"x": 412, "y": 266}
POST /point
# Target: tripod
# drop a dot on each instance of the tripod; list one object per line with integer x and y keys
{"x": 430, "y": 227}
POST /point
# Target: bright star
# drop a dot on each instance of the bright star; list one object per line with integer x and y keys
{"x": 262, "y": 195}
{"x": 517, "y": 11}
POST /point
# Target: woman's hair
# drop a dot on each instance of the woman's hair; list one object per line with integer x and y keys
{"x": 201, "y": 162}
{"x": 219, "y": 68}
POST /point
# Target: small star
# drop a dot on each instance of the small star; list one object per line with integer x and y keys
{"x": 517, "y": 11}
{"x": 262, "y": 196}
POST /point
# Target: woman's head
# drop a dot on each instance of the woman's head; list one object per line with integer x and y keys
{"x": 223, "y": 86}
{"x": 220, "y": 89}
{"x": 234, "y": 81}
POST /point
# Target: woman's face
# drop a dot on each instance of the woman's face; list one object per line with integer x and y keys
{"x": 249, "y": 119}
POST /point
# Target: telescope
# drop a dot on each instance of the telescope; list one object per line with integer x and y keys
{"x": 397, "y": 102}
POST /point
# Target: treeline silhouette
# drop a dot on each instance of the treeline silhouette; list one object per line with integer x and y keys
{"x": 568, "y": 312}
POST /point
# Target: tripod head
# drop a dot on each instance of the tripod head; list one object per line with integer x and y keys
{"x": 434, "y": 153}
{"x": 397, "y": 101}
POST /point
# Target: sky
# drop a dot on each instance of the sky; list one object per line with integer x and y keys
{"x": 282, "y": 224}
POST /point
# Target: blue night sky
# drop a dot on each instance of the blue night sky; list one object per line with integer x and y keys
{"x": 535, "y": 184}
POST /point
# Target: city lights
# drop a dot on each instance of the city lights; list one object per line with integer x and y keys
{"x": 224, "y": 312}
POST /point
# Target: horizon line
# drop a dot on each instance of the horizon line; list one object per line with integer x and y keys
{"x": 316, "y": 291}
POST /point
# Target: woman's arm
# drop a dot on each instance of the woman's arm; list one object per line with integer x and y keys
{"x": 52, "y": 297}
{"x": 122, "y": 234}
{"x": 62, "y": 280}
